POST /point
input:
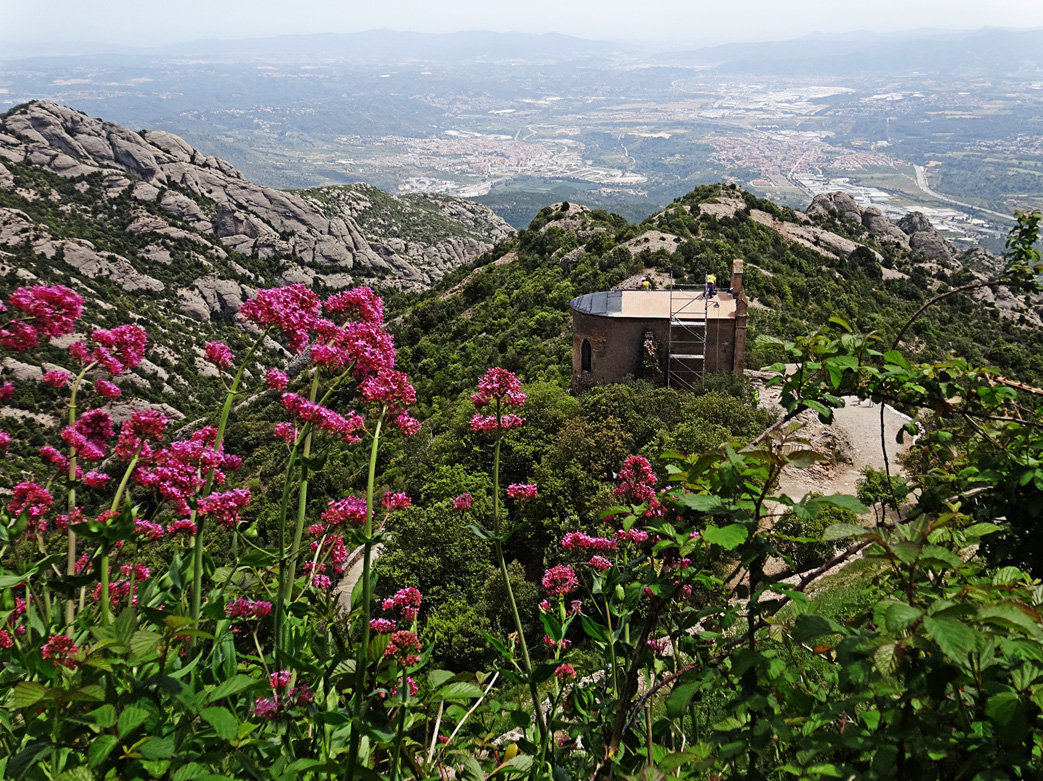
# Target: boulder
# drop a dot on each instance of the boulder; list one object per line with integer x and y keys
{"x": 836, "y": 205}
{"x": 878, "y": 225}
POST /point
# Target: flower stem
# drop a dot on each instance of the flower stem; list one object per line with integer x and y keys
{"x": 498, "y": 544}
{"x": 70, "y": 560}
{"x": 197, "y": 540}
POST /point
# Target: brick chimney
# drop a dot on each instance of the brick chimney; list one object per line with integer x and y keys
{"x": 737, "y": 278}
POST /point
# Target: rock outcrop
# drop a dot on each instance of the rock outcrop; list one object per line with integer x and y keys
{"x": 925, "y": 238}
{"x": 836, "y": 205}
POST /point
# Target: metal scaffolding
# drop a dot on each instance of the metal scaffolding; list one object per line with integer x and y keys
{"x": 686, "y": 352}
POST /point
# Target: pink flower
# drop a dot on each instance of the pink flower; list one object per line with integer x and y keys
{"x": 51, "y": 455}
{"x": 181, "y": 526}
{"x": 286, "y": 431}
{"x": 6, "y": 391}
{"x": 89, "y": 434}
{"x": 31, "y": 498}
{"x": 360, "y": 302}
{"x": 636, "y": 536}
{"x": 245, "y": 608}
{"x": 148, "y": 529}
{"x": 293, "y": 310}
{"x": 522, "y": 491}
{"x": 43, "y": 311}
{"x": 224, "y": 507}
{"x": 387, "y": 386}
{"x": 219, "y": 354}
{"x": 637, "y": 482}
{"x": 544, "y": 605}
{"x": 56, "y": 378}
{"x": 658, "y": 646}
{"x": 95, "y": 479}
{"x": 106, "y": 389}
{"x": 406, "y": 602}
{"x": 129, "y": 343}
{"x": 582, "y": 541}
{"x": 559, "y": 581}
{"x": 406, "y": 423}
{"x": 5, "y": 441}
{"x": 382, "y": 626}
{"x": 565, "y": 672}
{"x": 463, "y": 502}
{"x": 350, "y": 509}
{"x": 61, "y": 649}
{"x": 600, "y": 563}
{"x": 501, "y": 385}
{"x": 491, "y": 423}
{"x": 323, "y": 418}
{"x": 321, "y": 582}
{"x": 395, "y": 501}
{"x": 140, "y": 571}
{"x": 276, "y": 380}
{"x": 404, "y": 648}
{"x": 148, "y": 424}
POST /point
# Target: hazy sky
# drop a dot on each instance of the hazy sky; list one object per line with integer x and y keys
{"x": 148, "y": 22}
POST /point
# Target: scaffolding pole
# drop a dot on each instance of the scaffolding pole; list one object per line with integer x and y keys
{"x": 686, "y": 352}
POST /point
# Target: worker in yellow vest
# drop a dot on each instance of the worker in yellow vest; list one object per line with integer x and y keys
{"x": 711, "y": 285}
{"x": 646, "y": 284}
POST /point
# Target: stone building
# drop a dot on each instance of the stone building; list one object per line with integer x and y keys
{"x": 671, "y": 337}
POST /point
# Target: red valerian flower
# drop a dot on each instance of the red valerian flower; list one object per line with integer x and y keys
{"x": 559, "y": 581}
{"x": 129, "y": 343}
{"x": 406, "y": 423}
{"x": 636, "y": 536}
{"x": 224, "y": 506}
{"x": 89, "y": 434}
{"x": 276, "y": 380}
{"x": 61, "y": 650}
{"x": 293, "y": 310}
{"x": 499, "y": 384}
{"x": 360, "y": 302}
{"x": 43, "y": 311}
{"x": 5, "y": 441}
{"x": 56, "y": 378}
{"x": 29, "y": 497}
{"x": 491, "y": 423}
{"x": 219, "y": 354}
{"x": 600, "y": 563}
{"x": 581, "y": 541}
{"x": 403, "y": 648}
{"x": 636, "y": 481}
{"x": 148, "y": 529}
{"x": 350, "y": 509}
{"x": 406, "y": 602}
{"x": 382, "y": 626}
{"x": 6, "y": 391}
{"x": 106, "y": 389}
{"x": 323, "y": 418}
{"x": 522, "y": 491}
{"x": 397, "y": 501}
{"x": 565, "y": 672}
{"x": 286, "y": 431}
{"x": 182, "y": 526}
{"x": 388, "y": 386}
{"x": 463, "y": 502}
{"x": 95, "y": 479}
{"x": 245, "y": 608}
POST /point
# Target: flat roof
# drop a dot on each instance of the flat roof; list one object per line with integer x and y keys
{"x": 656, "y": 304}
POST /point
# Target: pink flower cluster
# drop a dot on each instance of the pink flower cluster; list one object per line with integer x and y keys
{"x": 382, "y": 626}
{"x": 179, "y": 470}
{"x": 219, "y": 354}
{"x": 560, "y": 580}
{"x": 286, "y": 432}
{"x": 224, "y": 506}
{"x": 565, "y": 672}
{"x": 61, "y": 650}
{"x": 463, "y": 502}
{"x": 504, "y": 388}
{"x": 30, "y": 498}
{"x": 56, "y": 378}
{"x": 294, "y": 310}
{"x": 406, "y": 602}
{"x": 284, "y": 697}
{"x": 600, "y": 563}
{"x": 114, "y": 350}
{"x": 523, "y": 492}
{"x": 106, "y": 389}
{"x": 636, "y": 536}
{"x": 247, "y": 609}
{"x": 404, "y": 648}
{"x": 397, "y": 501}
{"x": 276, "y": 380}
{"x": 323, "y": 418}
{"x": 581, "y": 541}
{"x": 334, "y": 547}
{"x": 88, "y": 436}
{"x": 43, "y": 312}
{"x": 360, "y": 303}
{"x": 636, "y": 481}
{"x": 350, "y": 509}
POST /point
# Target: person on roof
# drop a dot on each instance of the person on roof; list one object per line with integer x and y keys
{"x": 646, "y": 284}
{"x": 711, "y": 285}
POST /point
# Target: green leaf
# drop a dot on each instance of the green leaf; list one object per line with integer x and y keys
{"x": 840, "y": 531}
{"x": 472, "y": 771}
{"x": 132, "y": 717}
{"x": 27, "y": 693}
{"x": 437, "y": 677}
{"x": 703, "y": 503}
{"x": 1006, "y": 710}
{"x": 76, "y": 774}
{"x": 809, "y": 626}
{"x": 100, "y": 749}
{"x": 884, "y": 659}
{"x": 479, "y": 532}
{"x": 943, "y": 556}
{"x": 460, "y": 690}
{"x": 956, "y": 639}
{"x": 900, "y": 617}
{"x": 25, "y": 759}
{"x": 225, "y": 724}
{"x": 1007, "y": 575}
{"x": 680, "y": 698}
{"x": 143, "y": 645}
{"x": 844, "y": 502}
{"x": 728, "y": 537}
{"x": 232, "y": 686}
{"x": 157, "y": 748}
{"x": 104, "y": 716}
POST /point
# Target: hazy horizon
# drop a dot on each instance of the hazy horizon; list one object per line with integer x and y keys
{"x": 124, "y": 26}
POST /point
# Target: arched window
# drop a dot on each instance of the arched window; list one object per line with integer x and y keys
{"x": 584, "y": 356}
